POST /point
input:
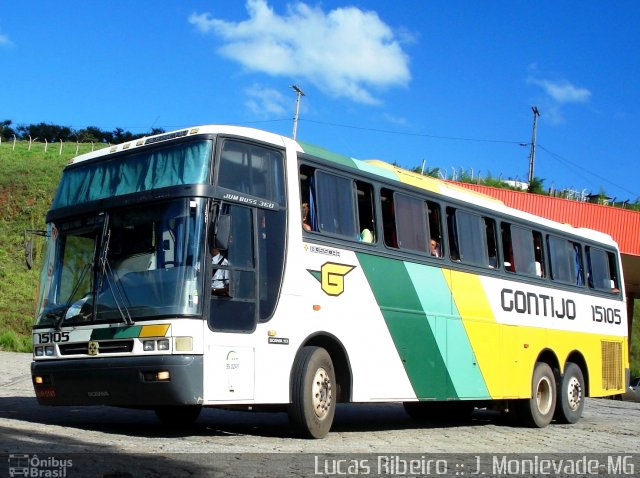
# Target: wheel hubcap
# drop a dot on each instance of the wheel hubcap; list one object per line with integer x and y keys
{"x": 574, "y": 393}
{"x": 322, "y": 393}
{"x": 544, "y": 396}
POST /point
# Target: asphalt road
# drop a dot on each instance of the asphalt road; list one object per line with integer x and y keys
{"x": 366, "y": 440}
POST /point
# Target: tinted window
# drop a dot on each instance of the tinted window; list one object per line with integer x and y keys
{"x": 335, "y": 205}
{"x": 411, "y": 223}
{"x": 565, "y": 258}
{"x": 252, "y": 169}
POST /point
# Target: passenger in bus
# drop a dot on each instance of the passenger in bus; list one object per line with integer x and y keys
{"x": 435, "y": 248}
{"x": 305, "y": 217}
{"x": 220, "y": 279}
{"x": 366, "y": 236}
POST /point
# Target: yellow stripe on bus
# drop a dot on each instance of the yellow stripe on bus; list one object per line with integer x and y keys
{"x": 506, "y": 354}
{"x": 154, "y": 330}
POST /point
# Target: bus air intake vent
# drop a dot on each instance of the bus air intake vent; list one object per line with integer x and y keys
{"x": 611, "y": 365}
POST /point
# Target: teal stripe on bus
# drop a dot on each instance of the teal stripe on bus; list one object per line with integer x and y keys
{"x": 448, "y": 329}
{"x": 116, "y": 333}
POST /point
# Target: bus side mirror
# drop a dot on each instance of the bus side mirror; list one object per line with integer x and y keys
{"x": 28, "y": 245}
{"x": 223, "y": 231}
{"x": 28, "y": 253}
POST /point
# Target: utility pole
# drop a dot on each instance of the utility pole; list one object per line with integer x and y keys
{"x": 532, "y": 154}
{"x": 299, "y": 94}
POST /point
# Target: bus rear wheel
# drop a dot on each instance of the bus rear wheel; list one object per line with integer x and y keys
{"x": 313, "y": 398}
{"x": 571, "y": 395}
{"x": 538, "y": 410}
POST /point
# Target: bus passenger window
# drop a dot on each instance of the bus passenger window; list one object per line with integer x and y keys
{"x": 565, "y": 259}
{"x": 411, "y": 223}
{"x": 388, "y": 218}
{"x": 366, "y": 217}
{"x": 335, "y": 205}
{"x": 492, "y": 242}
{"x": 507, "y": 247}
{"x": 601, "y": 270}
{"x": 435, "y": 229}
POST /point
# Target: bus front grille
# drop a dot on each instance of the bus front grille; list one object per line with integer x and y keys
{"x": 104, "y": 347}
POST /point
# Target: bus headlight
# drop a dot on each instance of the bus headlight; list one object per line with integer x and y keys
{"x": 39, "y": 351}
{"x": 163, "y": 344}
{"x": 49, "y": 350}
{"x": 149, "y": 345}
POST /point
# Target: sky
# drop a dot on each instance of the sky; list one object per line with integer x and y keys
{"x": 448, "y": 84}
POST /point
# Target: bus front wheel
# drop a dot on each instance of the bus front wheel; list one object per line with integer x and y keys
{"x": 313, "y": 398}
{"x": 538, "y": 410}
{"x": 571, "y": 395}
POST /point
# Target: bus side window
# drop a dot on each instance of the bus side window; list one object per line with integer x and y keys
{"x": 307, "y": 199}
{"x": 411, "y": 223}
{"x": 388, "y": 218}
{"x": 335, "y": 204}
{"x": 452, "y": 228}
{"x": 601, "y": 270}
{"x": 507, "y": 247}
{"x": 435, "y": 228}
{"x": 366, "y": 216}
{"x": 565, "y": 259}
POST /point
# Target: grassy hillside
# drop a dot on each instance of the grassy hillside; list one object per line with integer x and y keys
{"x": 28, "y": 181}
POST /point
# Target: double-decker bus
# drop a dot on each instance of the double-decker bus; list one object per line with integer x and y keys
{"x": 222, "y": 266}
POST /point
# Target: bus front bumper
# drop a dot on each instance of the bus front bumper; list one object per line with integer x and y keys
{"x": 150, "y": 381}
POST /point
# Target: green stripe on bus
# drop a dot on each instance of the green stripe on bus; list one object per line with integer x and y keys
{"x": 116, "y": 333}
{"x": 448, "y": 329}
{"x": 410, "y": 328}
{"x": 326, "y": 154}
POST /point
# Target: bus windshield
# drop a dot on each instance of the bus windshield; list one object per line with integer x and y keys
{"x": 139, "y": 263}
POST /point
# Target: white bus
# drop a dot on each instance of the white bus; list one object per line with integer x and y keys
{"x": 337, "y": 280}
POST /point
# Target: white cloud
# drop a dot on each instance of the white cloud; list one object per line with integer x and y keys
{"x": 562, "y": 91}
{"x": 265, "y": 102}
{"x": 5, "y": 40}
{"x": 346, "y": 52}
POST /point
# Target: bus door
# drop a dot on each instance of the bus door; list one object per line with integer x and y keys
{"x": 232, "y": 316}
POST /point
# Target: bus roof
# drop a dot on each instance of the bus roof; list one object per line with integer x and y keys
{"x": 375, "y": 167}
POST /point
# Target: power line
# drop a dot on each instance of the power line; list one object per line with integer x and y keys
{"x": 580, "y": 168}
{"x": 419, "y": 135}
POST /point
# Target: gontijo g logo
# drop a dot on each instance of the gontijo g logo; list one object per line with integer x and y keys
{"x": 331, "y": 277}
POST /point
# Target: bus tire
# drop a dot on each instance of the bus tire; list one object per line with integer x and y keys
{"x": 571, "y": 395}
{"x": 313, "y": 380}
{"x": 178, "y": 416}
{"x": 538, "y": 410}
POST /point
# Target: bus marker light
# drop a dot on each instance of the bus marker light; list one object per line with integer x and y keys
{"x": 163, "y": 376}
{"x": 184, "y": 344}
{"x": 272, "y": 333}
{"x": 38, "y": 379}
{"x": 526, "y": 346}
{"x": 316, "y": 307}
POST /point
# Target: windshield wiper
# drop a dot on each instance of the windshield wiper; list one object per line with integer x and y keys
{"x": 105, "y": 272}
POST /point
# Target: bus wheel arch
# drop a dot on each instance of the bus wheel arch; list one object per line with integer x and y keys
{"x": 340, "y": 360}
